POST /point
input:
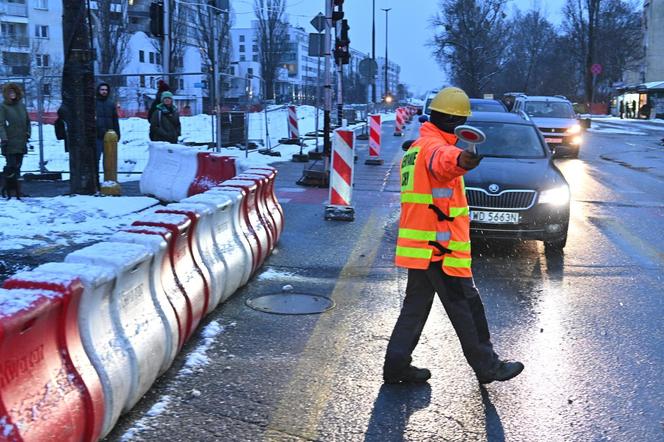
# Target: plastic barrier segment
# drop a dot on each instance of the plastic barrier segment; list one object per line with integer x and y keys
{"x": 263, "y": 204}
{"x": 48, "y": 386}
{"x": 185, "y": 268}
{"x": 132, "y": 310}
{"x": 230, "y": 242}
{"x": 273, "y": 202}
{"x": 212, "y": 170}
{"x": 160, "y": 172}
{"x": 159, "y": 264}
{"x": 205, "y": 252}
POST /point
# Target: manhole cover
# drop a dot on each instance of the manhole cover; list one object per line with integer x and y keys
{"x": 291, "y": 303}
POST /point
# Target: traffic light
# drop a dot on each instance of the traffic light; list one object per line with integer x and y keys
{"x": 341, "y": 52}
{"x": 338, "y": 2}
{"x": 343, "y": 35}
{"x": 157, "y": 19}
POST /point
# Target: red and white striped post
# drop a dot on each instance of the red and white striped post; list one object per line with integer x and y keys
{"x": 341, "y": 177}
{"x": 398, "y": 123}
{"x": 374, "y": 141}
{"x": 293, "y": 130}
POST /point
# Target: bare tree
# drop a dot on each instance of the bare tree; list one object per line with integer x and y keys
{"x": 272, "y": 39}
{"x": 110, "y": 37}
{"x": 206, "y": 18}
{"x": 181, "y": 35}
{"x": 470, "y": 41}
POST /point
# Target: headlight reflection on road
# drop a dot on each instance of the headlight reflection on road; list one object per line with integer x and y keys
{"x": 558, "y": 196}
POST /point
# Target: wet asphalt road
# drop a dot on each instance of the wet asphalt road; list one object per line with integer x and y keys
{"x": 587, "y": 324}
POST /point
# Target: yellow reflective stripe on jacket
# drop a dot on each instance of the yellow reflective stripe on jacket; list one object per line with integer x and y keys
{"x": 422, "y": 235}
{"x": 417, "y": 198}
{"x": 459, "y": 246}
{"x": 458, "y": 211}
{"x": 414, "y": 252}
{"x": 426, "y": 235}
{"x": 448, "y": 261}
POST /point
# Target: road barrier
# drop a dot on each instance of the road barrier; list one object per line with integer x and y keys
{"x": 399, "y": 123}
{"x": 293, "y": 129}
{"x": 271, "y": 200}
{"x": 229, "y": 241}
{"x": 170, "y": 171}
{"x": 212, "y": 170}
{"x": 264, "y": 212}
{"x": 203, "y": 247}
{"x": 341, "y": 177}
{"x": 47, "y": 382}
{"x": 374, "y": 141}
{"x": 137, "y": 319}
{"x": 186, "y": 270}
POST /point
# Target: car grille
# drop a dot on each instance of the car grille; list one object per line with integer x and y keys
{"x": 507, "y": 199}
{"x": 552, "y": 131}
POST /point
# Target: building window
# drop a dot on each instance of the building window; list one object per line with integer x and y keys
{"x": 42, "y": 60}
{"x": 41, "y": 4}
{"x": 181, "y": 83}
{"x": 151, "y": 57}
{"x": 41, "y": 31}
{"x": 254, "y": 48}
{"x": 241, "y": 38}
{"x": 254, "y": 57}
{"x": 231, "y": 70}
{"x": 152, "y": 82}
{"x": 250, "y": 71}
{"x": 46, "y": 89}
{"x": 158, "y": 57}
{"x": 141, "y": 80}
{"x": 141, "y": 56}
{"x": 243, "y": 58}
{"x": 241, "y": 48}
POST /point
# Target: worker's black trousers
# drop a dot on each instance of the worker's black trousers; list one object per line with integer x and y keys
{"x": 463, "y": 305}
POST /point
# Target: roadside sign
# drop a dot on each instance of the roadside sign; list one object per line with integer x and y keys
{"x": 368, "y": 68}
{"x": 596, "y": 69}
{"x": 316, "y": 45}
{"x": 318, "y": 22}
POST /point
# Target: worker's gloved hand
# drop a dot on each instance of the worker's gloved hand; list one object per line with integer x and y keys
{"x": 423, "y": 119}
{"x": 3, "y": 146}
{"x": 467, "y": 160}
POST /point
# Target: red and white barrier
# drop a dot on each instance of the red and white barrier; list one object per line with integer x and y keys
{"x": 211, "y": 171}
{"x": 142, "y": 332}
{"x": 399, "y": 123}
{"x": 293, "y": 128}
{"x": 271, "y": 198}
{"x": 203, "y": 246}
{"x": 186, "y": 270}
{"x": 264, "y": 213}
{"x": 48, "y": 386}
{"x": 170, "y": 171}
{"x": 374, "y": 140}
{"x": 339, "y": 205}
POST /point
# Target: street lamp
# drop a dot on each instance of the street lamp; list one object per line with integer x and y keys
{"x": 387, "y": 10}
{"x": 373, "y": 52}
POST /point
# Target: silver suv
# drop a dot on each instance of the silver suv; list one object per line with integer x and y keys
{"x": 556, "y": 120}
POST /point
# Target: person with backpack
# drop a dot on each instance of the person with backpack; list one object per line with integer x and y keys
{"x": 165, "y": 121}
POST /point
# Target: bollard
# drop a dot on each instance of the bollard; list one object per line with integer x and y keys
{"x": 374, "y": 141}
{"x": 110, "y": 185}
{"x": 341, "y": 177}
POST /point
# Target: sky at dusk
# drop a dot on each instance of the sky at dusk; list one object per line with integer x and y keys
{"x": 408, "y": 25}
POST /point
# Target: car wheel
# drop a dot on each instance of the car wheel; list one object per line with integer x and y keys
{"x": 555, "y": 246}
{"x": 574, "y": 154}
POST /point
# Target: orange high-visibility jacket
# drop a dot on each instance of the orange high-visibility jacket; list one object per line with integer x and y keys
{"x": 434, "y": 224}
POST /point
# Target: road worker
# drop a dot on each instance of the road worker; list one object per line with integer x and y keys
{"x": 434, "y": 245}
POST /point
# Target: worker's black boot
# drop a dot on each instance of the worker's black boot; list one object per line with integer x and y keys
{"x": 409, "y": 375}
{"x": 505, "y": 371}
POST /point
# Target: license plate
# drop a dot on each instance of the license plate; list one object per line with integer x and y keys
{"x": 554, "y": 140}
{"x": 494, "y": 217}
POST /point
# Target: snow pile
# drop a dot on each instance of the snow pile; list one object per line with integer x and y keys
{"x": 144, "y": 423}
{"x": 66, "y": 220}
{"x": 198, "y": 358}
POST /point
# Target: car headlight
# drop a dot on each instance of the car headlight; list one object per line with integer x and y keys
{"x": 573, "y": 130}
{"x": 557, "y": 196}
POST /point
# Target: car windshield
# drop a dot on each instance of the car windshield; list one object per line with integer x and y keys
{"x": 549, "y": 109}
{"x": 486, "y": 106}
{"x": 508, "y": 140}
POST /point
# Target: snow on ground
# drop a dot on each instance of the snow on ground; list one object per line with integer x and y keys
{"x": 198, "y": 358}
{"x": 144, "y": 423}
{"x": 610, "y": 130}
{"x": 65, "y": 220}
{"x": 133, "y": 145}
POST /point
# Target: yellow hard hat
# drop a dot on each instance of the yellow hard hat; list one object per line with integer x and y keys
{"x": 451, "y": 101}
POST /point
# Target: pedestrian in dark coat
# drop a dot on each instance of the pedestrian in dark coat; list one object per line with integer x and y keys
{"x": 162, "y": 87}
{"x": 107, "y": 116}
{"x": 14, "y": 126}
{"x": 622, "y": 109}
{"x": 165, "y": 121}
{"x": 634, "y": 114}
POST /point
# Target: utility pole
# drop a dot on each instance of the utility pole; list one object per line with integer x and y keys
{"x": 340, "y": 76}
{"x": 216, "y": 78}
{"x": 166, "y": 57}
{"x": 387, "y": 10}
{"x": 78, "y": 97}
{"x": 327, "y": 144}
{"x": 373, "y": 51}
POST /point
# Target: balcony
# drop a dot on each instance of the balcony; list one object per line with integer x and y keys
{"x": 15, "y": 9}
{"x": 15, "y": 41}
